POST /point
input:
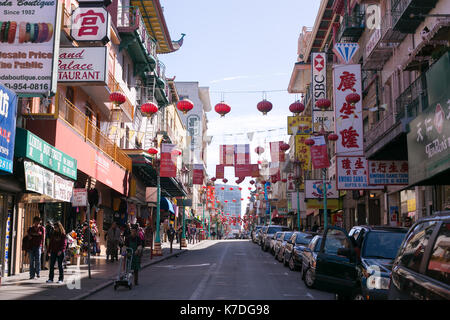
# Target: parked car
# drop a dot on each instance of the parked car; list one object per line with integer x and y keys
{"x": 260, "y": 235}
{"x": 286, "y": 237}
{"x": 254, "y": 233}
{"x": 274, "y": 241}
{"x": 421, "y": 269}
{"x": 294, "y": 247}
{"x": 357, "y": 265}
{"x": 268, "y": 235}
{"x": 309, "y": 260}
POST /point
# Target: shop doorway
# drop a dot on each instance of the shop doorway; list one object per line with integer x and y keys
{"x": 374, "y": 212}
{"x": 361, "y": 214}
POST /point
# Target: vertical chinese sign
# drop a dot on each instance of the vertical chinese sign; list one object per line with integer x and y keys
{"x": 168, "y": 167}
{"x": 30, "y": 33}
{"x": 319, "y": 91}
{"x": 348, "y": 117}
{"x": 8, "y": 114}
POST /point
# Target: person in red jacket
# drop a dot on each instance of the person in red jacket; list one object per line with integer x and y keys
{"x": 56, "y": 250}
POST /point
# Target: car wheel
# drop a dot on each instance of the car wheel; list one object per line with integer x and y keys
{"x": 302, "y": 273}
{"x": 291, "y": 264}
{"x": 284, "y": 261}
{"x": 310, "y": 278}
{"x": 358, "y": 296}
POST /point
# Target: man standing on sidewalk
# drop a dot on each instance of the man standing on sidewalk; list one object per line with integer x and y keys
{"x": 36, "y": 235}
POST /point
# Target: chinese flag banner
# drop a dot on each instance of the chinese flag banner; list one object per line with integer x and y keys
{"x": 319, "y": 153}
{"x": 220, "y": 171}
{"x": 351, "y": 173}
{"x": 227, "y": 155}
{"x": 276, "y": 153}
{"x": 168, "y": 167}
{"x": 197, "y": 174}
{"x": 241, "y": 154}
{"x": 348, "y": 118}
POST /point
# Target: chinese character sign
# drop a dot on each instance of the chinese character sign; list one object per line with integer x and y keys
{"x": 348, "y": 117}
{"x": 352, "y": 173}
{"x": 8, "y": 114}
{"x": 90, "y": 24}
{"x": 302, "y": 152}
{"x": 388, "y": 172}
{"x": 168, "y": 167}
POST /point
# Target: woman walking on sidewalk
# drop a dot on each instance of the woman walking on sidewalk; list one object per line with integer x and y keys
{"x": 112, "y": 242}
{"x": 56, "y": 251}
{"x": 134, "y": 242}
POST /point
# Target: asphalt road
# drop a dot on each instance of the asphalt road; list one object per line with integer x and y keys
{"x": 218, "y": 270}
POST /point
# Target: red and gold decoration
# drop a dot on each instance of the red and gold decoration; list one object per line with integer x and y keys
{"x": 185, "y": 105}
{"x": 264, "y": 106}
{"x": 222, "y": 109}
{"x": 117, "y": 98}
{"x": 297, "y": 107}
{"x": 149, "y": 109}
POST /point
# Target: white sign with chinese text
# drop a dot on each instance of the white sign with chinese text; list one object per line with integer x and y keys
{"x": 352, "y": 173}
{"x": 348, "y": 117}
{"x": 79, "y": 198}
{"x": 90, "y": 24}
{"x": 388, "y": 172}
{"x": 83, "y": 64}
{"x": 314, "y": 189}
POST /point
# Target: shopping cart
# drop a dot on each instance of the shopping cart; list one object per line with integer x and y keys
{"x": 125, "y": 274}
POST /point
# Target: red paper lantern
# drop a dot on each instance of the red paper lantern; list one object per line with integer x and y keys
{"x": 323, "y": 103}
{"x": 152, "y": 151}
{"x": 117, "y": 98}
{"x": 225, "y": 180}
{"x": 185, "y": 105}
{"x": 249, "y": 188}
{"x": 333, "y": 137}
{"x": 223, "y": 188}
{"x": 242, "y": 199}
{"x": 252, "y": 181}
{"x": 213, "y": 179}
{"x": 259, "y": 150}
{"x": 231, "y": 188}
{"x": 264, "y": 106}
{"x": 222, "y": 109}
{"x": 149, "y": 109}
{"x": 353, "y": 98}
{"x": 240, "y": 188}
{"x": 226, "y": 201}
{"x": 234, "y": 200}
{"x": 309, "y": 142}
{"x": 284, "y": 147}
{"x": 297, "y": 107}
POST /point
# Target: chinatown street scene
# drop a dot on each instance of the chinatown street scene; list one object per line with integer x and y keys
{"x": 203, "y": 150}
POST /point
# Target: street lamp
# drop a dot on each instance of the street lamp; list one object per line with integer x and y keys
{"x": 328, "y": 136}
{"x": 298, "y": 179}
{"x": 157, "y": 251}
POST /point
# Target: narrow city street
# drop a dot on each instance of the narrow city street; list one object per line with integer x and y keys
{"x": 218, "y": 270}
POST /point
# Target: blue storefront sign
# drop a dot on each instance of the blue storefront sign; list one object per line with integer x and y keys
{"x": 8, "y": 114}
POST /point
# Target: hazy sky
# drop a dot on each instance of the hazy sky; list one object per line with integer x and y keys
{"x": 239, "y": 45}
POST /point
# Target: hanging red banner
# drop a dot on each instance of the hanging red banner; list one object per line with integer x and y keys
{"x": 255, "y": 170}
{"x": 243, "y": 170}
{"x": 168, "y": 167}
{"x": 197, "y": 175}
{"x": 220, "y": 171}
{"x": 319, "y": 153}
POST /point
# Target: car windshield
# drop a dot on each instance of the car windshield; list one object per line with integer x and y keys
{"x": 303, "y": 238}
{"x": 287, "y": 236}
{"x": 273, "y": 229}
{"x": 382, "y": 245}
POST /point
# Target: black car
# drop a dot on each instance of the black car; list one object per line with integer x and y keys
{"x": 292, "y": 255}
{"x": 357, "y": 265}
{"x": 282, "y": 245}
{"x": 309, "y": 260}
{"x": 421, "y": 270}
{"x": 268, "y": 235}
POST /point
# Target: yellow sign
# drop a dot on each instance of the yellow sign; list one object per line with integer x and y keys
{"x": 304, "y": 125}
{"x": 332, "y": 204}
{"x": 411, "y": 205}
{"x": 302, "y": 151}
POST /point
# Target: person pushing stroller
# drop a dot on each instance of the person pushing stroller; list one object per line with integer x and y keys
{"x": 134, "y": 242}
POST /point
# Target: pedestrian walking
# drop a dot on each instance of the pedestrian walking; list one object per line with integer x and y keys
{"x": 171, "y": 236}
{"x": 112, "y": 242}
{"x": 87, "y": 237}
{"x": 56, "y": 251}
{"x": 36, "y": 236}
{"x": 134, "y": 242}
{"x": 315, "y": 227}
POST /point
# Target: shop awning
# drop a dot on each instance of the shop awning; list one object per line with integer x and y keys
{"x": 167, "y": 205}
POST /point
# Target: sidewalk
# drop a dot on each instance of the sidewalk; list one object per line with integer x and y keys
{"x": 103, "y": 274}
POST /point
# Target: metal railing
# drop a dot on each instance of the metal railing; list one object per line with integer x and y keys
{"x": 379, "y": 129}
{"x": 130, "y": 17}
{"x": 352, "y": 26}
{"x": 409, "y": 102}
{"x": 88, "y": 130}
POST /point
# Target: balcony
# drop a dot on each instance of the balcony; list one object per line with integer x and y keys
{"x": 136, "y": 39}
{"x": 352, "y": 27}
{"x": 403, "y": 9}
{"x": 72, "y": 116}
{"x": 412, "y": 101}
